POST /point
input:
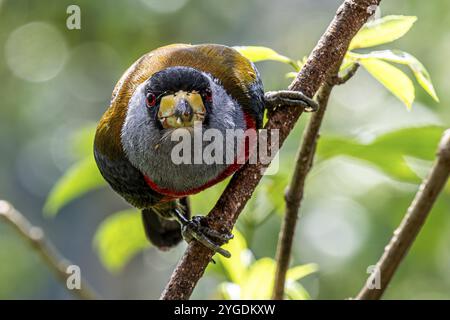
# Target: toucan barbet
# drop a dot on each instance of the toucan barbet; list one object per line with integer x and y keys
{"x": 166, "y": 89}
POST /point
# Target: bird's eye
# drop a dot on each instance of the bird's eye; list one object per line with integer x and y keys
{"x": 207, "y": 95}
{"x": 150, "y": 99}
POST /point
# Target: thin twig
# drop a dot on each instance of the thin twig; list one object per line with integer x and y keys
{"x": 36, "y": 238}
{"x": 411, "y": 224}
{"x": 295, "y": 190}
{"x": 328, "y": 53}
{"x": 339, "y": 80}
{"x": 294, "y": 193}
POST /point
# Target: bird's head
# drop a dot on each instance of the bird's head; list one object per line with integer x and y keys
{"x": 174, "y": 99}
{"x": 178, "y": 97}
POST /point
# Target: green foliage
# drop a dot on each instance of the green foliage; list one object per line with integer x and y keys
{"x": 388, "y": 151}
{"x": 401, "y": 57}
{"x": 82, "y": 177}
{"x": 395, "y": 80}
{"x": 385, "y": 30}
{"x": 374, "y": 33}
{"x": 291, "y": 75}
{"x": 119, "y": 238}
{"x": 380, "y": 31}
{"x": 249, "y": 279}
{"x": 257, "y": 54}
{"x": 236, "y": 266}
{"x": 204, "y": 201}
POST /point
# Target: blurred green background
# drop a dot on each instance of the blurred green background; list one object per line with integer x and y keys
{"x": 54, "y": 81}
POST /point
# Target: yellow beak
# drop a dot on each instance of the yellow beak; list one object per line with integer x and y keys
{"x": 181, "y": 109}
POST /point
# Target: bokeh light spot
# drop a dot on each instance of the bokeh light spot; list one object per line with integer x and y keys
{"x": 166, "y": 6}
{"x": 336, "y": 230}
{"x": 35, "y": 52}
{"x": 93, "y": 70}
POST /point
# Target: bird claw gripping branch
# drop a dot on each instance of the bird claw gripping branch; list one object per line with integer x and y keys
{"x": 291, "y": 99}
{"x": 210, "y": 238}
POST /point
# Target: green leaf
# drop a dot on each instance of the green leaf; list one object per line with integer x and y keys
{"x": 401, "y": 57}
{"x": 380, "y": 31}
{"x": 256, "y": 54}
{"x": 236, "y": 266}
{"x": 204, "y": 201}
{"x": 261, "y": 276}
{"x": 295, "y": 291}
{"x": 82, "y": 177}
{"x": 260, "y": 279}
{"x": 298, "y": 272}
{"x": 291, "y": 75}
{"x": 347, "y": 63}
{"x": 119, "y": 238}
{"x": 392, "y": 78}
{"x": 388, "y": 151}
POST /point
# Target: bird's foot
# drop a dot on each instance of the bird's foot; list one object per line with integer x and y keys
{"x": 210, "y": 238}
{"x": 290, "y": 98}
{"x": 196, "y": 229}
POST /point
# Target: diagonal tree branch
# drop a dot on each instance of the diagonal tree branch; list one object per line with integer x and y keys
{"x": 35, "y": 236}
{"x": 295, "y": 191}
{"x": 411, "y": 224}
{"x": 327, "y": 54}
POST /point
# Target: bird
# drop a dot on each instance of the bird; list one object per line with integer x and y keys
{"x": 170, "y": 88}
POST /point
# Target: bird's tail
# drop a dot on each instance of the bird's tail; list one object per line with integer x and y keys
{"x": 162, "y": 232}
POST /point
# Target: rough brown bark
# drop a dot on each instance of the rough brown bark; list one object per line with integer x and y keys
{"x": 411, "y": 224}
{"x": 328, "y": 53}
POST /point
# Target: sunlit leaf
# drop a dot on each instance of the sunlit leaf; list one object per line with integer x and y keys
{"x": 82, "y": 177}
{"x": 291, "y": 75}
{"x": 230, "y": 291}
{"x": 388, "y": 151}
{"x": 401, "y": 57}
{"x": 236, "y": 266}
{"x": 346, "y": 63}
{"x": 260, "y": 279}
{"x": 256, "y": 54}
{"x": 384, "y": 30}
{"x": 395, "y": 80}
{"x": 203, "y": 202}
{"x": 300, "y": 64}
{"x": 298, "y": 272}
{"x": 295, "y": 291}
{"x": 261, "y": 276}
{"x": 119, "y": 238}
